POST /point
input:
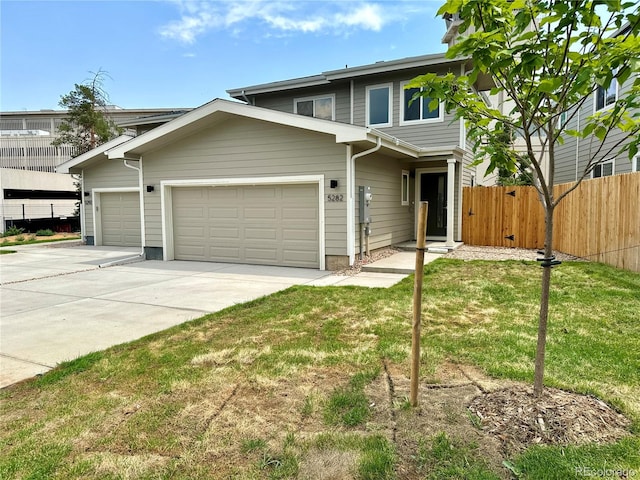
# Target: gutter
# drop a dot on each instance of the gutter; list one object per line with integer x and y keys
{"x": 141, "y": 255}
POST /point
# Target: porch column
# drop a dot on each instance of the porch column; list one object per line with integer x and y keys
{"x": 451, "y": 182}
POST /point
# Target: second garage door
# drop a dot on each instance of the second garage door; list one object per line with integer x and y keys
{"x": 262, "y": 225}
{"x": 120, "y": 219}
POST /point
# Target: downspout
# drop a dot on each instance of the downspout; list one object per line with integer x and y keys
{"x": 245, "y": 98}
{"x": 140, "y": 256}
{"x": 83, "y": 204}
{"x": 351, "y": 187}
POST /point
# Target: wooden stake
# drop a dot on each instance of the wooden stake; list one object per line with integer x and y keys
{"x": 417, "y": 302}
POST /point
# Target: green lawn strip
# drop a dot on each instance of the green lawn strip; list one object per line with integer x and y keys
{"x": 4, "y": 252}
{"x": 144, "y": 399}
{"x": 4, "y": 243}
{"x": 441, "y": 457}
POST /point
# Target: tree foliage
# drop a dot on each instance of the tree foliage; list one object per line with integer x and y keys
{"x": 547, "y": 58}
{"x": 87, "y": 125}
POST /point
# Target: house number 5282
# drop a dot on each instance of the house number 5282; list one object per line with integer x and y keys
{"x": 332, "y": 197}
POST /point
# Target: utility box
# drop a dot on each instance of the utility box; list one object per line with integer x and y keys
{"x": 365, "y": 196}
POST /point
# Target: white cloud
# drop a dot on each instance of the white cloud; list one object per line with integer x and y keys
{"x": 285, "y": 17}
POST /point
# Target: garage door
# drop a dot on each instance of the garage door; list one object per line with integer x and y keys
{"x": 120, "y": 219}
{"x": 263, "y": 225}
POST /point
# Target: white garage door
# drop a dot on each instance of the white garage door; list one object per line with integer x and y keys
{"x": 120, "y": 219}
{"x": 262, "y": 225}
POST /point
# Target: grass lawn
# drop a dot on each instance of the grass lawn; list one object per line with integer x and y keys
{"x": 312, "y": 382}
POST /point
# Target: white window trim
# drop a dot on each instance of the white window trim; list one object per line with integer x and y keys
{"x": 635, "y": 167}
{"x": 606, "y": 107}
{"x": 403, "y": 122}
{"x": 612, "y": 161}
{"x": 376, "y": 87}
{"x": 332, "y": 96}
{"x": 405, "y": 178}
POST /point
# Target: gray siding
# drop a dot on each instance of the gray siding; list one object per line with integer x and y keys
{"x": 392, "y": 223}
{"x": 107, "y": 174}
{"x": 434, "y": 134}
{"x": 574, "y": 154}
{"x": 283, "y": 102}
{"x": 250, "y": 148}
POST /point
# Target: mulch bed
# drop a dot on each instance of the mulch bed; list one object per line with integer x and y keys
{"x": 519, "y": 420}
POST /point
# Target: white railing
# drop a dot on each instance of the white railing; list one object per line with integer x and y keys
{"x": 32, "y": 153}
{"x": 31, "y": 211}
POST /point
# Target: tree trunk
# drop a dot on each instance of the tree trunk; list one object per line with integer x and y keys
{"x": 538, "y": 383}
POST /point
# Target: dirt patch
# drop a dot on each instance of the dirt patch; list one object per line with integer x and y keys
{"x": 518, "y": 420}
{"x": 373, "y": 256}
{"x": 472, "y": 252}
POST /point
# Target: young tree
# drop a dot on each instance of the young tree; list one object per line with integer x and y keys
{"x": 548, "y": 58}
{"x": 87, "y": 125}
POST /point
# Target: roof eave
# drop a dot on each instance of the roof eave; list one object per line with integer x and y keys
{"x": 92, "y": 155}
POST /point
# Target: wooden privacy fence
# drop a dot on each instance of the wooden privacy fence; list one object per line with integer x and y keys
{"x": 599, "y": 221}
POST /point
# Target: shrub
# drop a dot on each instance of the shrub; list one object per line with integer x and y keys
{"x": 13, "y": 230}
{"x": 45, "y": 233}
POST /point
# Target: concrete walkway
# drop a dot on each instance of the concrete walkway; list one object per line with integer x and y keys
{"x": 58, "y": 303}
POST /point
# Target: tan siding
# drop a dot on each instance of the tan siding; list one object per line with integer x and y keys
{"x": 107, "y": 174}
{"x": 250, "y": 148}
{"x": 392, "y": 223}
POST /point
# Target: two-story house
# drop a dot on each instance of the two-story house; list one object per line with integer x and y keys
{"x": 274, "y": 178}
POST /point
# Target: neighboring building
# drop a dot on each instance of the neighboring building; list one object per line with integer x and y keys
{"x": 32, "y": 193}
{"x": 574, "y": 154}
{"x": 26, "y": 136}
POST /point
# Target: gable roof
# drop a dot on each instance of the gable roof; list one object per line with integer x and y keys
{"x": 217, "y": 111}
{"x": 92, "y": 156}
{"x": 346, "y": 73}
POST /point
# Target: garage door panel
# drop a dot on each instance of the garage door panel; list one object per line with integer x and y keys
{"x": 260, "y": 193}
{"x": 224, "y": 232}
{"x": 221, "y": 253}
{"x": 120, "y": 219}
{"x": 251, "y": 213}
{"x": 218, "y": 212}
{"x": 267, "y": 225}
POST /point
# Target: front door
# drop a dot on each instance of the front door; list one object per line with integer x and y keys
{"x": 433, "y": 189}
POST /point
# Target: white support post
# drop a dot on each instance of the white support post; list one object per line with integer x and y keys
{"x": 451, "y": 182}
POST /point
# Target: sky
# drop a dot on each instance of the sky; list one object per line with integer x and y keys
{"x": 184, "y": 53}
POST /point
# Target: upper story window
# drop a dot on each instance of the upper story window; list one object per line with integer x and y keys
{"x": 636, "y": 163}
{"x": 604, "y": 169}
{"x": 605, "y": 97}
{"x": 379, "y": 110}
{"x": 418, "y": 110}
{"x": 317, "y": 107}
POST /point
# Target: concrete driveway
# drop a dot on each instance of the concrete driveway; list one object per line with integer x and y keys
{"x": 56, "y": 303}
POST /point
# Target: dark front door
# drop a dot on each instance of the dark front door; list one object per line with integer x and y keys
{"x": 433, "y": 189}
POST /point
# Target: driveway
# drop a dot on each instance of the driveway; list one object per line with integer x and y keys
{"x": 57, "y": 303}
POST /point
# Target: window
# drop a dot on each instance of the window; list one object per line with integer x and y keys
{"x": 379, "y": 109}
{"x": 603, "y": 169}
{"x": 418, "y": 110}
{"x": 636, "y": 164}
{"x": 562, "y": 120}
{"x": 404, "y": 188}
{"x": 317, "y": 107}
{"x": 606, "y": 97}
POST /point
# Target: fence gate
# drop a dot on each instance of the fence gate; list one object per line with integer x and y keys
{"x": 502, "y": 217}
